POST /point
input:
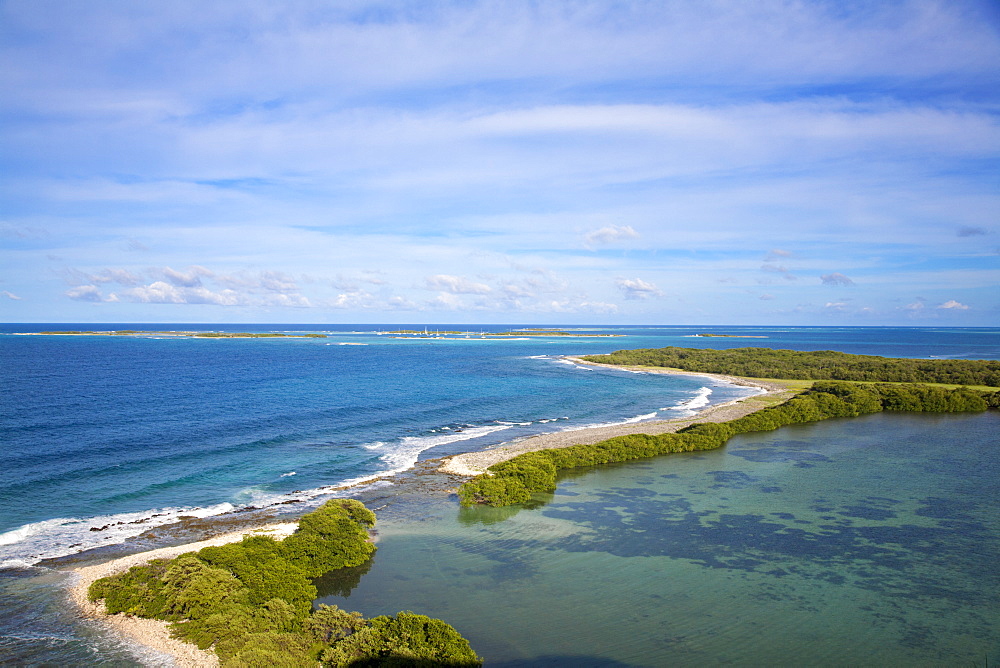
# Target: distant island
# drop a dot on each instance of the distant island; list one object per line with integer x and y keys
{"x": 440, "y": 334}
{"x": 732, "y": 336}
{"x": 199, "y": 335}
{"x": 398, "y": 333}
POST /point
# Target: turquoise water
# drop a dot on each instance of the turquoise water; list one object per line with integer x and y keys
{"x": 864, "y": 542}
{"x": 106, "y": 438}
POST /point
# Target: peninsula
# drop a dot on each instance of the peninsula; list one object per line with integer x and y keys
{"x": 830, "y": 384}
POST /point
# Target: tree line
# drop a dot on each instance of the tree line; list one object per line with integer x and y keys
{"x": 251, "y": 601}
{"x": 816, "y": 365}
{"x": 515, "y": 480}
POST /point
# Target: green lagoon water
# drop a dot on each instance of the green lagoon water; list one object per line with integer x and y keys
{"x": 870, "y": 541}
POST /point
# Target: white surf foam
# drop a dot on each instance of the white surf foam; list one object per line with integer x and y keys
{"x": 638, "y": 418}
{"x": 405, "y": 453}
{"x": 692, "y": 405}
{"x": 62, "y": 536}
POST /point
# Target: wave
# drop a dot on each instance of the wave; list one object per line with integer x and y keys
{"x": 691, "y": 406}
{"x": 31, "y": 543}
{"x": 405, "y": 452}
{"x": 632, "y": 420}
{"x": 396, "y": 456}
{"x": 27, "y": 545}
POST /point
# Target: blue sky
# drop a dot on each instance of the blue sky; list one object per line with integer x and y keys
{"x": 717, "y": 162}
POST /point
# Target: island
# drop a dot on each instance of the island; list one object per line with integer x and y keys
{"x": 200, "y": 335}
{"x": 731, "y": 336}
{"x": 438, "y": 334}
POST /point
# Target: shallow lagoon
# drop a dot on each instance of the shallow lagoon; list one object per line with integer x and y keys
{"x": 849, "y": 542}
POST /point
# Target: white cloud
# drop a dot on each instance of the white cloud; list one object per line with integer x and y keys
{"x": 160, "y": 292}
{"x": 610, "y": 234}
{"x": 9, "y": 295}
{"x": 951, "y": 304}
{"x": 779, "y": 269}
{"x": 119, "y": 276}
{"x": 456, "y": 285}
{"x": 276, "y": 281}
{"x": 446, "y": 301}
{"x": 300, "y": 147}
{"x": 581, "y": 306}
{"x": 836, "y": 279}
{"x": 85, "y": 293}
{"x": 187, "y": 280}
{"x": 515, "y": 291}
{"x": 294, "y": 301}
{"x": 636, "y": 288}
{"x": 352, "y": 299}
{"x": 401, "y": 304}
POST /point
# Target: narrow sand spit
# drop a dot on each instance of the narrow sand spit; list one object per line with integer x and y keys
{"x": 476, "y": 463}
{"x": 153, "y": 633}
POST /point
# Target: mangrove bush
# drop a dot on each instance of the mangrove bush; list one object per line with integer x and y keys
{"x": 817, "y": 365}
{"x": 251, "y": 601}
{"x": 515, "y": 480}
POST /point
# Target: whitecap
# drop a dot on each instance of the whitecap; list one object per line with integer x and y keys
{"x": 406, "y": 453}
{"x": 62, "y": 536}
{"x": 638, "y": 418}
{"x": 691, "y": 406}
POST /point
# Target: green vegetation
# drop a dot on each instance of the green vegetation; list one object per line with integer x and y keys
{"x": 819, "y": 365}
{"x": 515, "y": 480}
{"x": 120, "y": 332}
{"x": 251, "y": 601}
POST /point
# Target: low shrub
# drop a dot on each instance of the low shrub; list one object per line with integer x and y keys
{"x": 251, "y": 601}
{"x": 515, "y": 480}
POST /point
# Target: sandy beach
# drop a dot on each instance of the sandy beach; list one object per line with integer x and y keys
{"x": 153, "y": 633}
{"x": 476, "y": 463}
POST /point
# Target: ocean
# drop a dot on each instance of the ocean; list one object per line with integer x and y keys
{"x": 109, "y": 441}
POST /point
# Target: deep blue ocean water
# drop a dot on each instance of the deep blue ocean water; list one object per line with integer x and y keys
{"x": 123, "y": 434}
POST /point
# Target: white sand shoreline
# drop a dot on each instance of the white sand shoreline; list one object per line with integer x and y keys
{"x": 471, "y": 464}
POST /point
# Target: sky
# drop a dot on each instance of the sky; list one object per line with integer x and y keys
{"x": 718, "y": 162}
